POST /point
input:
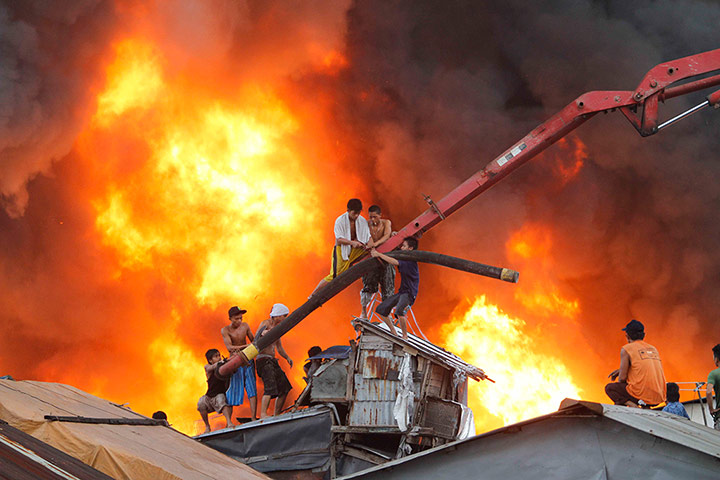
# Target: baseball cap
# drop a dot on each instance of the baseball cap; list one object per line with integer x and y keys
{"x": 235, "y": 311}
{"x": 634, "y": 326}
{"x": 279, "y": 309}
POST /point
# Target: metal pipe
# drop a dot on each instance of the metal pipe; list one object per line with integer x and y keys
{"x": 680, "y": 116}
{"x": 353, "y": 274}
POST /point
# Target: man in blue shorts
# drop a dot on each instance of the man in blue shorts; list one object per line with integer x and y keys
{"x": 237, "y": 336}
{"x": 409, "y": 283}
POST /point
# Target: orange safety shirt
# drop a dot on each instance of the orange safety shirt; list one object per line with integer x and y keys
{"x": 646, "y": 380}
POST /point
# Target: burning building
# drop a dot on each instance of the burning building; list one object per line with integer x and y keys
{"x": 164, "y": 160}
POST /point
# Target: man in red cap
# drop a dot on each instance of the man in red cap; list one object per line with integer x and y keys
{"x": 640, "y": 376}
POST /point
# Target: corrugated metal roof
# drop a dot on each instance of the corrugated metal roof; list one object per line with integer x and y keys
{"x": 25, "y": 457}
{"x": 667, "y": 426}
{"x": 663, "y": 425}
{"x": 426, "y": 348}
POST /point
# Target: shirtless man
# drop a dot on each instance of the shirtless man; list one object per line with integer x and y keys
{"x": 384, "y": 275}
{"x": 237, "y": 336}
{"x": 274, "y": 379}
{"x": 352, "y": 237}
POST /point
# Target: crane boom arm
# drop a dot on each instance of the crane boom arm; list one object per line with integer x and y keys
{"x": 639, "y": 106}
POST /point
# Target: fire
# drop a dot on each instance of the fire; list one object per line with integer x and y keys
{"x": 134, "y": 80}
{"x": 219, "y": 183}
{"x": 207, "y": 192}
{"x": 528, "y": 381}
{"x": 171, "y": 357}
{"x": 570, "y": 160}
{"x": 530, "y": 249}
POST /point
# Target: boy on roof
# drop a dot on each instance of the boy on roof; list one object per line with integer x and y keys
{"x": 382, "y": 277}
{"x": 407, "y": 293}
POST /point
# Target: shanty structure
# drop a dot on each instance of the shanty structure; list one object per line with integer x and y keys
{"x": 112, "y": 439}
{"x": 698, "y": 411}
{"x": 378, "y": 399}
{"x": 23, "y": 457}
{"x": 581, "y": 440}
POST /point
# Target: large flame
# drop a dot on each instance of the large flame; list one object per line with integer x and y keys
{"x": 213, "y": 198}
{"x": 530, "y": 249}
{"x": 528, "y": 382}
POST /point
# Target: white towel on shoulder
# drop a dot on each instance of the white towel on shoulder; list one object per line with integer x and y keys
{"x": 342, "y": 230}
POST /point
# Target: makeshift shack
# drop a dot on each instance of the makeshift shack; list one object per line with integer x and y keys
{"x": 355, "y": 419}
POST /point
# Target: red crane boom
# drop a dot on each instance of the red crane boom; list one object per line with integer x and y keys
{"x": 639, "y": 106}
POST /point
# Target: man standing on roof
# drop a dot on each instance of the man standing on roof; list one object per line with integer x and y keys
{"x": 714, "y": 382}
{"x": 409, "y": 283}
{"x": 640, "y": 376}
{"x": 237, "y": 336}
{"x": 384, "y": 275}
{"x": 352, "y": 235}
{"x": 276, "y": 383}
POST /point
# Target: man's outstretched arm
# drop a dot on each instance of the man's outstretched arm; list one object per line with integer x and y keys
{"x": 374, "y": 253}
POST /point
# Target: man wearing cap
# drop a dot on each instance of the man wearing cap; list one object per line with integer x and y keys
{"x": 237, "y": 336}
{"x": 640, "y": 376}
{"x": 276, "y": 383}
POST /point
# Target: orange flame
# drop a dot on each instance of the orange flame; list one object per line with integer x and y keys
{"x": 530, "y": 249}
{"x": 566, "y": 166}
{"x": 217, "y": 185}
{"x": 215, "y": 198}
{"x": 528, "y": 383}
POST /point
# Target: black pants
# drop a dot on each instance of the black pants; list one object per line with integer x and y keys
{"x": 618, "y": 393}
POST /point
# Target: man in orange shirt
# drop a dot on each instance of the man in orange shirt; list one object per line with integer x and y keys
{"x": 640, "y": 376}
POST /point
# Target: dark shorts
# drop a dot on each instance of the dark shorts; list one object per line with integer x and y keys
{"x": 382, "y": 277}
{"x": 618, "y": 393}
{"x": 401, "y": 302}
{"x": 274, "y": 379}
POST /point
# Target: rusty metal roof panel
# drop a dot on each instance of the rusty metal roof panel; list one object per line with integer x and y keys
{"x": 25, "y": 457}
{"x": 426, "y": 348}
{"x": 372, "y": 414}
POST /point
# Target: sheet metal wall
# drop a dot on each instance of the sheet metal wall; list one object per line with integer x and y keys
{"x": 375, "y": 388}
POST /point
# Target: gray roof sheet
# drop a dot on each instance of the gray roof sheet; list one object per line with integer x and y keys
{"x": 654, "y": 422}
{"x": 425, "y": 347}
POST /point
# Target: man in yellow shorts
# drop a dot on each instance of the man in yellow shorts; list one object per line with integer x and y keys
{"x": 352, "y": 238}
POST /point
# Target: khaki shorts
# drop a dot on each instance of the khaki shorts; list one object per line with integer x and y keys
{"x": 216, "y": 403}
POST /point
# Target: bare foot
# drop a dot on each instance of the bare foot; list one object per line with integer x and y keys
{"x": 207, "y": 430}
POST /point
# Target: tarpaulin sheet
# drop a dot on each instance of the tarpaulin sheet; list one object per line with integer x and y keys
{"x": 121, "y": 451}
{"x": 297, "y": 441}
